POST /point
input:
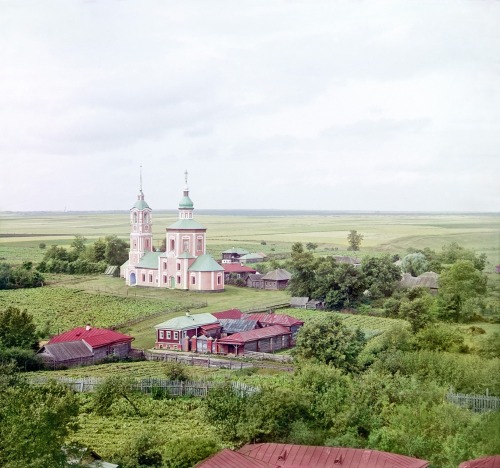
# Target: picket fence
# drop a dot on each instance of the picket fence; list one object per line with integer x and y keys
{"x": 476, "y": 403}
{"x": 151, "y": 385}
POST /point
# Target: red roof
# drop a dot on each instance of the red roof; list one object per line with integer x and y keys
{"x": 228, "y": 459}
{"x": 307, "y": 456}
{"x": 237, "y": 268}
{"x": 257, "y": 334}
{"x": 486, "y": 462}
{"x": 229, "y": 314}
{"x": 210, "y": 326}
{"x": 275, "y": 319}
{"x": 95, "y": 337}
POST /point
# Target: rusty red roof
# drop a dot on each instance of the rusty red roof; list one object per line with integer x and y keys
{"x": 228, "y": 459}
{"x": 257, "y": 334}
{"x": 486, "y": 462}
{"x": 211, "y": 326}
{"x": 275, "y": 319}
{"x": 237, "y": 268}
{"x": 229, "y": 314}
{"x": 306, "y": 456}
{"x": 95, "y": 337}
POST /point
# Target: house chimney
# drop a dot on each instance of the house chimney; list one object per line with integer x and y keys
{"x": 87, "y": 327}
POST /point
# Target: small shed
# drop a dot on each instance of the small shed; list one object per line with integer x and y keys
{"x": 299, "y": 302}
{"x": 255, "y": 281}
{"x": 277, "y": 279}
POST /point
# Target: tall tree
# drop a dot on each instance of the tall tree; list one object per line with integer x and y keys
{"x": 457, "y": 284}
{"x": 346, "y": 288}
{"x": 303, "y": 266}
{"x": 415, "y": 264}
{"x": 17, "y": 329}
{"x": 381, "y": 275}
{"x": 116, "y": 250}
{"x": 354, "y": 239}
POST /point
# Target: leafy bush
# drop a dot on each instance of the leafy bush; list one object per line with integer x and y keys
{"x": 185, "y": 452}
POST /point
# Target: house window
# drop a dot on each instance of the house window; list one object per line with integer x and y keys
{"x": 193, "y": 280}
{"x": 176, "y": 335}
{"x": 162, "y": 334}
{"x": 169, "y": 335}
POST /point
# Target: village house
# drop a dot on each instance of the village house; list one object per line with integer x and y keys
{"x": 233, "y": 255}
{"x": 184, "y": 264}
{"x": 267, "y": 320}
{"x": 84, "y": 345}
{"x": 263, "y": 340}
{"x": 252, "y": 258}
{"x": 254, "y": 280}
{"x": 175, "y": 334}
{"x": 235, "y": 270}
{"x": 276, "y": 279}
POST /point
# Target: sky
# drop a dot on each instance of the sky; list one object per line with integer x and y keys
{"x": 268, "y": 104}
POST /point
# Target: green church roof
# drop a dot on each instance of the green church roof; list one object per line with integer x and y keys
{"x": 140, "y": 205}
{"x": 186, "y": 202}
{"x": 205, "y": 263}
{"x": 150, "y": 260}
{"x": 186, "y": 224}
{"x": 186, "y": 255}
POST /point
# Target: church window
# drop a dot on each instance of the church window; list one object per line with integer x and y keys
{"x": 165, "y": 279}
{"x": 172, "y": 244}
{"x": 185, "y": 245}
{"x": 219, "y": 279}
{"x": 143, "y": 277}
{"x": 178, "y": 266}
{"x": 135, "y": 217}
{"x": 145, "y": 217}
{"x": 178, "y": 280}
{"x": 150, "y": 278}
{"x": 193, "y": 279}
{"x": 199, "y": 244}
{"x": 164, "y": 265}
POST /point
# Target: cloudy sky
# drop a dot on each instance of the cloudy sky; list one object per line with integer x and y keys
{"x": 298, "y": 104}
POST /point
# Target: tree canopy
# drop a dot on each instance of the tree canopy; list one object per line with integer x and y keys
{"x": 17, "y": 329}
{"x": 354, "y": 239}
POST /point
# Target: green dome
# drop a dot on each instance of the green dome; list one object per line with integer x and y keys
{"x": 186, "y": 202}
{"x": 140, "y": 205}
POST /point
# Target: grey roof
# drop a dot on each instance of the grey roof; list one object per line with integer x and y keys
{"x": 236, "y": 250}
{"x": 205, "y": 263}
{"x": 66, "y": 351}
{"x": 252, "y": 256}
{"x": 299, "y": 301}
{"x": 149, "y": 260}
{"x": 186, "y": 224}
{"x": 278, "y": 275}
{"x": 429, "y": 279}
{"x": 346, "y": 259}
{"x": 237, "y": 325}
{"x": 188, "y": 321}
{"x": 255, "y": 276}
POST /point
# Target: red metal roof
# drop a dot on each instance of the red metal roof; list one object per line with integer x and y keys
{"x": 228, "y": 459}
{"x": 211, "y": 326}
{"x": 486, "y": 462}
{"x": 306, "y": 456}
{"x": 95, "y": 337}
{"x": 237, "y": 268}
{"x": 257, "y": 334}
{"x": 275, "y": 319}
{"x": 229, "y": 314}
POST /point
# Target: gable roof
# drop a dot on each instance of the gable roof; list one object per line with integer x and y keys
{"x": 278, "y": 275}
{"x": 66, "y": 351}
{"x": 237, "y": 268}
{"x": 228, "y": 459}
{"x": 306, "y": 456}
{"x": 205, "y": 263}
{"x": 229, "y": 314}
{"x": 149, "y": 260}
{"x": 275, "y": 319}
{"x": 188, "y": 321}
{"x": 237, "y": 325}
{"x": 254, "y": 335}
{"x": 95, "y": 337}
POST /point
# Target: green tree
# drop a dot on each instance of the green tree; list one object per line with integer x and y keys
{"x": 453, "y": 252}
{"x": 110, "y": 390}
{"x": 17, "y": 329}
{"x": 418, "y": 312}
{"x": 354, "y": 239}
{"x": 186, "y": 452}
{"x": 303, "y": 266}
{"x": 347, "y": 284}
{"x": 35, "y": 422}
{"x": 116, "y": 250}
{"x": 457, "y": 284}
{"x": 311, "y": 246}
{"x": 415, "y": 264}
{"x": 325, "y": 339}
{"x": 439, "y": 337}
{"x": 381, "y": 275}
{"x": 78, "y": 245}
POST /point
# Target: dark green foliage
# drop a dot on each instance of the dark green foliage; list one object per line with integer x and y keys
{"x": 453, "y": 252}
{"x": 327, "y": 340}
{"x": 439, "y": 337}
{"x": 345, "y": 286}
{"x": 23, "y": 359}
{"x": 490, "y": 346}
{"x": 176, "y": 371}
{"x": 116, "y": 252}
{"x": 35, "y": 421}
{"x": 19, "y": 277}
{"x": 185, "y": 452}
{"x": 354, "y": 240}
{"x": 17, "y": 329}
{"x": 142, "y": 452}
{"x": 42, "y": 245}
{"x": 381, "y": 276}
{"x": 458, "y": 285}
{"x": 302, "y": 266}
{"x": 311, "y": 246}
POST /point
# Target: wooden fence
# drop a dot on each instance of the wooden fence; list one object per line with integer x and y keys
{"x": 149, "y": 386}
{"x": 269, "y": 356}
{"x": 476, "y": 403}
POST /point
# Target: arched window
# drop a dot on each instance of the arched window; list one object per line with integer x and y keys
{"x": 135, "y": 217}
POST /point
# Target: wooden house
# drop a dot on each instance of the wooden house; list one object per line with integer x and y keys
{"x": 267, "y": 320}
{"x": 251, "y": 258}
{"x": 255, "y": 281}
{"x": 83, "y": 345}
{"x": 175, "y": 333}
{"x": 276, "y": 279}
{"x": 233, "y": 255}
{"x": 236, "y": 270}
{"x": 264, "y": 340}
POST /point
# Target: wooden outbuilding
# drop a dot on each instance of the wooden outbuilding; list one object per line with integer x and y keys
{"x": 264, "y": 340}
{"x": 276, "y": 279}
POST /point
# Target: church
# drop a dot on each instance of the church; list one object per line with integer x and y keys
{"x": 184, "y": 265}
